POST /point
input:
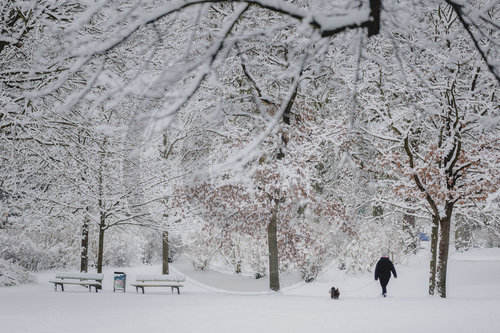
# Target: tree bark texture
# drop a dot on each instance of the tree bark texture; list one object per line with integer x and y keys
{"x": 272, "y": 240}
{"x": 433, "y": 261}
{"x": 84, "y": 255}
{"x": 102, "y": 221}
{"x": 100, "y": 253}
{"x": 444, "y": 246}
{"x": 164, "y": 269}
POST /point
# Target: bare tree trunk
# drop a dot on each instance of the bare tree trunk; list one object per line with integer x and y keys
{"x": 433, "y": 261}
{"x": 84, "y": 255}
{"x": 100, "y": 252}
{"x": 164, "y": 269}
{"x": 444, "y": 246}
{"x": 272, "y": 240}
{"x": 102, "y": 219}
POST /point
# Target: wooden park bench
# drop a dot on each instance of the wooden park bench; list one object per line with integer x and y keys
{"x": 83, "y": 279}
{"x": 169, "y": 280}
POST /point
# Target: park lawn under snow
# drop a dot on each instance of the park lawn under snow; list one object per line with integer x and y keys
{"x": 216, "y": 301}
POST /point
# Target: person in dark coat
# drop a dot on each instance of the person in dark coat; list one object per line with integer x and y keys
{"x": 383, "y": 272}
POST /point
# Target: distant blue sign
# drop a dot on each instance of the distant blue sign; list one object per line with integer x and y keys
{"x": 424, "y": 237}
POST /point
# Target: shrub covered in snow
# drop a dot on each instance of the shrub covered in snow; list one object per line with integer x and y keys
{"x": 257, "y": 259}
{"x": 309, "y": 269}
{"x": 123, "y": 248}
{"x": 202, "y": 251}
{"x": 201, "y": 260}
{"x": 359, "y": 253}
{"x": 12, "y": 274}
{"x": 32, "y": 256}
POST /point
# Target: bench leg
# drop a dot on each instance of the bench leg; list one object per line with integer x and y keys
{"x": 172, "y": 288}
{"x": 142, "y": 289}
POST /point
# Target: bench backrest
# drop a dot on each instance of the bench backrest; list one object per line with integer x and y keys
{"x": 167, "y": 277}
{"x": 81, "y": 276}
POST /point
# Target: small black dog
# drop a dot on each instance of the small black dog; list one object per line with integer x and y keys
{"x": 334, "y": 293}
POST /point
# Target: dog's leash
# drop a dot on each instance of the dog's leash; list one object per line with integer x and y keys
{"x": 365, "y": 286}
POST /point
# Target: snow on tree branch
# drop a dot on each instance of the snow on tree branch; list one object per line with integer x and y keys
{"x": 485, "y": 38}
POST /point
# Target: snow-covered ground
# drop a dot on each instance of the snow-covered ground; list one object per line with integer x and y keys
{"x": 216, "y": 301}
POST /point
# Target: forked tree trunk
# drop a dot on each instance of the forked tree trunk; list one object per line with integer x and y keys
{"x": 84, "y": 255}
{"x": 272, "y": 240}
{"x": 433, "y": 261}
{"x": 164, "y": 269}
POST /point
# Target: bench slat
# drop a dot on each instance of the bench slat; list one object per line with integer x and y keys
{"x": 148, "y": 284}
{"x": 83, "y": 276}
{"x": 166, "y": 277}
{"x": 83, "y": 283}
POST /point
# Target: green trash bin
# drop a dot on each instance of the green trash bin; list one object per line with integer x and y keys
{"x": 120, "y": 281}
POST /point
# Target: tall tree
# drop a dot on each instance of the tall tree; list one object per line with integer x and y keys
{"x": 431, "y": 132}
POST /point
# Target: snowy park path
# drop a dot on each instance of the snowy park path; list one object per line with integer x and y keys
{"x": 473, "y": 304}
